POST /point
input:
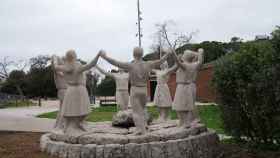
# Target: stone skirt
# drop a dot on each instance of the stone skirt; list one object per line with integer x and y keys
{"x": 184, "y": 99}
{"x": 162, "y": 97}
{"x": 122, "y": 98}
{"x": 76, "y": 101}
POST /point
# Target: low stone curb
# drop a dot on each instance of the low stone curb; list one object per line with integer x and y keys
{"x": 204, "y": 145}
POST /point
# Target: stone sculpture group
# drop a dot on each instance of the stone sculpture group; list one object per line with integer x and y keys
{"x": 74, "y": 100}
{"x": 72, "y": 137}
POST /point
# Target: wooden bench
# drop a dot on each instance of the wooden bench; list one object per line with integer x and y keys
{"x": 107, "y": 100}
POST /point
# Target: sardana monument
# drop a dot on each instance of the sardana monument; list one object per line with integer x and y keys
{"x": 165, "y": 139}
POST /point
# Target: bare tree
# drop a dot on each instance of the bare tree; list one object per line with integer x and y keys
{"x": 170, "y": 38}
{"x": 7, "y": 66}
{"x": 167, "y": 36}
{"x": 4, "y": 67}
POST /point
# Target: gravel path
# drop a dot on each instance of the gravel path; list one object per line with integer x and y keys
{"x": 24, "y": 118}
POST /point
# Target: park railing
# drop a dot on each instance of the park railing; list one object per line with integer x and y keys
{"x": 5, "y": 99}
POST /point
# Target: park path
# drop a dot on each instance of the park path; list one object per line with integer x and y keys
{"x": 24, "y": 118}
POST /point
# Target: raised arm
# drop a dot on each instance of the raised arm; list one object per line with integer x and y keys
{"x": 178, "y": 61}
{"x": 200, "y": 56}
{"x": 91, "y": 64}
{"x": 104, "y": 72}
{"x": 114, "y": 62}
{"x": 156, "y": 63}
{"x": 172, "y": 69}
{"x": 57, "y": 67}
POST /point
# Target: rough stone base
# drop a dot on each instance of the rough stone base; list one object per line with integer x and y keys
{"x": 125, "y": 119}
{"x": 163, "y": 141}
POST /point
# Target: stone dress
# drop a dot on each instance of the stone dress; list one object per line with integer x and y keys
{"x": 162, "y": 97}
{"x": 76, "y": 100}
{"x": 185, "y": 95}
{"x": 122, "y": 95}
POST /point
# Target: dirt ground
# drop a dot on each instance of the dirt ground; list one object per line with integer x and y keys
{"x": 20, "y": 145}
{"x": 26, "y": 145}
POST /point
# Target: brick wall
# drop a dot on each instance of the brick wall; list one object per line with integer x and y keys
{"x": 205, "y": 92}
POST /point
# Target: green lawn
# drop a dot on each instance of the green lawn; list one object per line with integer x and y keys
{"x": 210, "y": 115}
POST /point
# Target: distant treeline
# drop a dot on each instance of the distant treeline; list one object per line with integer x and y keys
{"x": 213, "y": 49}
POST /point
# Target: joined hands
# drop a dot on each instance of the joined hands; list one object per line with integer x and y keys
{"x": 102, "y": 53}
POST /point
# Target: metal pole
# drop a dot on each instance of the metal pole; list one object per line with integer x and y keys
{"x": 139, "y": 23}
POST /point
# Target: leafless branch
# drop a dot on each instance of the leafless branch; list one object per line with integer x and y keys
{"x": 6, "y": 64}
{"x": 178, "y": 39}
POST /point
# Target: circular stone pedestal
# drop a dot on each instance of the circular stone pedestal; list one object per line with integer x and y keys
{"x": 164, "y": 140}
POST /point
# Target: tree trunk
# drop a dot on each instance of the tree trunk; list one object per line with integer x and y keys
{"x": 20, "y": 92}
{"x": 40, "y": 104}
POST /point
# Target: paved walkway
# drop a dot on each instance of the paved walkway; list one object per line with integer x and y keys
{"x": 24, "y": 118}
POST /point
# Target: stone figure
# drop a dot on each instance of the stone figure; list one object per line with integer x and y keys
{"x": 138, "y": 76}
{"x": 121, "y": 80}
{"x": 76, "y": 104}
{"x": 185, "y": 96}
{"x": 61, "y": 87}
{"x": 162, "y": 97}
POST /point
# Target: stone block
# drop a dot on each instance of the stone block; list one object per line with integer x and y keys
{"x": 138, "y": 139}
{"x": 74, "y": 151}
{"x": 114, "y": 151}
{"x": 158, "y": 150}
{"x": 133, "y": 150}
{"x": 88, "y": 151}
{"x": 103, "y": 138}
{"x": 100, "y": 151}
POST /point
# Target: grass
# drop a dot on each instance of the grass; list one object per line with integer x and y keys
{"x": 210, "y": 115}
{"x": 104, "y": 113}
{"x": 251, "y": 145}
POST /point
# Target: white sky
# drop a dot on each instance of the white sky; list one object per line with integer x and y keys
{"x": 32, "y": 27}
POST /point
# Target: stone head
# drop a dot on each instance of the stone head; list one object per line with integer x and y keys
{"x": 138, "y": 53}
{"x": 165, "y": 51}
{"x": 200, "y": 50}
{"x": 188, "y": 56}
{"x": 71, "y": 56}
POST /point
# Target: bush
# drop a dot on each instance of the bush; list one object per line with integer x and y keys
{"x": 107, "y": 87}
{"x": 248, "y": 83}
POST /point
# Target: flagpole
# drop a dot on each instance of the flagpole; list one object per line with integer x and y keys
{"x": 139, "y": 34}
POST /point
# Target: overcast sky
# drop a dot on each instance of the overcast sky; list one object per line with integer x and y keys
{"x": 32, "y": 27}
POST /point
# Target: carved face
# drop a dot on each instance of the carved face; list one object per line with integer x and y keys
{"x": 137, "y": 53}
{"x": 71, "y": 55}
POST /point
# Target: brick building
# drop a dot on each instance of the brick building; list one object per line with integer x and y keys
{"x": 205, "y": 92}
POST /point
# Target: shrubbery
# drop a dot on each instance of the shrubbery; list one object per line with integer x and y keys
{"x": 107, "y": 87}
{"x": 248, "y": 83}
